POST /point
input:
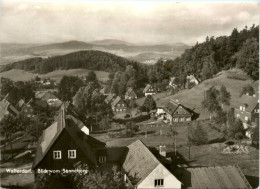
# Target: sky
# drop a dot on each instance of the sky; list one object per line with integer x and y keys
{"x": 142, "y": 22}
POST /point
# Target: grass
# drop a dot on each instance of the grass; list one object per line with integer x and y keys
{"x": 21, "y": 75}
{"x": 193, "y": 97}
{"x": 155, "y": 138}
{"x": 209, "y": 155}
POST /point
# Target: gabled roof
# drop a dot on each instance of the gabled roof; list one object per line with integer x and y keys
{"x": 139, "y": 162}
{"x": 250, "y": 101}
{"x": 114, "y": 103}
{"x": 146, "y": 88}
{"x": 130, "y": 92}
{"x": 172, "y": 106}
{"x": 52, "y": 133}
{"x": 215, "y": 177}
{"x": 6, "y": 107}
{"x": 109, "y": 98}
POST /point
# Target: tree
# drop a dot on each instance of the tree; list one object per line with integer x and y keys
{"x": 96, "y": 179}
{"x": 234, "y": 128}
{"x": 247, "y": 58}
{"x": 198, "y": 135}
{"x": 91, "y": 76}
{"x": 9, "y": 125}
{"x": 255, "y": 136}
{"x": 248, "y": 89}
{"x": 149, "y": 104}
{"x": 221, "y": 117}
{"x": 68, "y": 87}
{"x": 224, "y": 96}
{"x": 210, "y": 101}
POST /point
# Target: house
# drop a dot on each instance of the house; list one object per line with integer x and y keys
{"x": 110, "y": 98}
{"x": 191, "y": 80}
{"x": 160, "y": 113}
{"x": 149, "y": 90}
{"x": 118, "y": 105}
{"x": 171, "y": 82}
{"x": 27, "y": 110}
{"x": 7, "y": 108}
{"x": 248, "y": 112}
{"x": 144, "y": 170}
{"x": 50, "y": 98}
{"x": 130, "y": 94}
{"x": 214, "y": 177}
{"x": 63, "y": 145}
{"x": 176, "y": 112}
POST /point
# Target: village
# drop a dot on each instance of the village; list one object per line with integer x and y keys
{"x": 129, "y": 95}
{"x": 139, "y": 133}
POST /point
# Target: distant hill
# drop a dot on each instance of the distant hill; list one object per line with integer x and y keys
{"x": 109, "y": 42}
{"x": 94, "y": 60}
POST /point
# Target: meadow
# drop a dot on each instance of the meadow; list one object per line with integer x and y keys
{"x": 21, "y": 75}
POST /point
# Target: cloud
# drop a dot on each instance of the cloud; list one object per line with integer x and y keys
{"x": 139, "y": 22}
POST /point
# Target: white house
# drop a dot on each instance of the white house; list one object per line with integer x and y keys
{"x": 149, "y": 90}
{"x": 142, "y": 167}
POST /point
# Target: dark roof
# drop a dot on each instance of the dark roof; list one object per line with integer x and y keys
{"x": 114, "y": 154}
{"x": 215, "y": 177}
{"x": 139, "y": 162}
{"x": 172, "y": 106}
{"x": 114, "y": 103}
{"x": 250, "y": 102}
{"x": 51, "y": 134}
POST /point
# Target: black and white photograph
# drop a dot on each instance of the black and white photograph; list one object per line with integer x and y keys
{"x": 112, "y": 94}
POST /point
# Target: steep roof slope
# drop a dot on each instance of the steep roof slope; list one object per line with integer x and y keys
{"x": 250, "y": 102}
{"x": 114, "y": 103}
{"x": 51, "y": 134}
{"x": 139, "y": 162}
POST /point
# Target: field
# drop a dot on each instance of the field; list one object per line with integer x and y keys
{"x": 192, "y": 98}
{"x": 21, "y": 75}
{"x": 159, "y": 133}
{"x": 209, "y": 155}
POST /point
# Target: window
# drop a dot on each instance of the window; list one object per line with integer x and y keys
{"x": 238, "y": 115}
{"x": 241, "y": 108}
{"x": 182, "y": 119}
{"x": 188, "y": 119}
{"x": 72, "y": 154}
{"x": 246, "y": 118}
{"x": 123, "y": 105}
{"x": 56, "y": 154}
{"x": 244, "y": 108}
{"x": 158, "y": 182}
{"x": 102, "y": 159}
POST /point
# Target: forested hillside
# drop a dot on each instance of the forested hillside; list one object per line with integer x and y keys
{"x": 93, "y": 60}
{"x": 240, "y": 50}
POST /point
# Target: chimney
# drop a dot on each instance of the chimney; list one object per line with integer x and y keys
{"x": 162, "y": 150}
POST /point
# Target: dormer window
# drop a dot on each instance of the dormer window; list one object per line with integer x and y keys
{"x": 158, "y": 182}
{"x": 102, "y": 159}
{"x": 57, "y": 154}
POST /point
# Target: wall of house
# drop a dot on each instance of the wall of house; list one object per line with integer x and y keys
{"x": 63, "y": 143}
{"x": 160, "y": 172}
